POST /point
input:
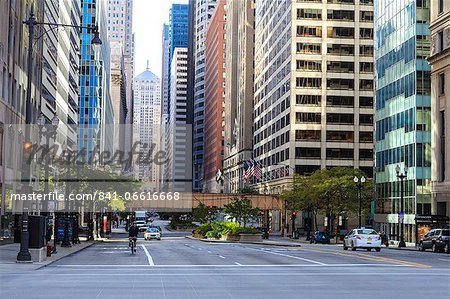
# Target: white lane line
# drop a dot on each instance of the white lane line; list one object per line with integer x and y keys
{"x": 209, "y": 251}
{"x": 149, "y": 257}
{"x": 444, "y": 260}
{"x": 291, "y": 256}
{"x": 238, "y": 264}
{"x": 221, "y": 256}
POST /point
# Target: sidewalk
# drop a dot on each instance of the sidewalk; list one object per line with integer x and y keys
{"x": 8, "y": 256}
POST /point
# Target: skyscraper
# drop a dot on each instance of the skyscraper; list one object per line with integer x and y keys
{"x": 214, "y": 99}
{"x": 203, "y": 13}
{"x": 178, "y": 27}
{"x": 403, "y": 114}
{"x": 147, "y": 115}
{"x": 178, "y": 166}
{"x": 60, "y": 56}
{"x": 95, "y": 109}
{"x": 440, "y": 105}
{"x": 165, "y": 71}
{"x": 313, "y": 105}
{"x": 240, "y": 37}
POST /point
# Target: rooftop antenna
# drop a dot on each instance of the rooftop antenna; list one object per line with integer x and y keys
{"x": 148, "y": 65}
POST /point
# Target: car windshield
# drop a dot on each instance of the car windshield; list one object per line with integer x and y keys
{"x": 152, "y": 230}
{"x": 446, "y": 232}
{"x": 366, "y": 232}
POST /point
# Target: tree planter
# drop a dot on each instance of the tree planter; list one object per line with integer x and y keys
{"x": 250, "y": 238}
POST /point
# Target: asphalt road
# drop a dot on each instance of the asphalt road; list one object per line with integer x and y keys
{"x": 176, "y": 267}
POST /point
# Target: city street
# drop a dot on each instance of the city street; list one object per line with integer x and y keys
{"x": 176, "y": 267}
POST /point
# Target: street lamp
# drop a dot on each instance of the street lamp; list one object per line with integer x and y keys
{"x": 49, "y": 132}
{"x": 24, "y": 253}
{"x": 359, "y": 184}
{"x": 401, "y": 215}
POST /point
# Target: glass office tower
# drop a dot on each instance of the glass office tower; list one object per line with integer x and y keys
{"x": 402, "y": 117}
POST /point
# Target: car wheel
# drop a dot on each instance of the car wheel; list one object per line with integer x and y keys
{"x": 369, "y": 249}
{"x": 353, "y": 247}
{"x": 434, "y": 248}
{"x": 421, "y": 248}
{"x": 159, "y": 239}
{"x": 378, "y": 249}
{"x": 345, "y": 247}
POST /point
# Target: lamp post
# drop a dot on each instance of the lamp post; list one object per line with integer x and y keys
{"x": 49, "y": 132}
{"x": 24, "y": 253}
{"x": 359, "y": 184}
{"x": 401, "y": 215}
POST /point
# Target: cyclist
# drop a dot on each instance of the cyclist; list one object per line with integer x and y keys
{"x": 133, "y": 234}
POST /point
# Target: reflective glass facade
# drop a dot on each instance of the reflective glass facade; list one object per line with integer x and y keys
{"x": 402, "y": 118}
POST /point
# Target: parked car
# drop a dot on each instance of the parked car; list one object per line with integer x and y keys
{"x": 436, "y": 240}
{"x": 365, "y": 238}
{"x": 152, "y": 233}
{"x": 320, "y": 237}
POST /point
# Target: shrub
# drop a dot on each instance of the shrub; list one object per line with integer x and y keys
{"x": 220, "y": 229}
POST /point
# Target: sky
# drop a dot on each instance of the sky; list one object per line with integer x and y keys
{"x": 148, "y": 19}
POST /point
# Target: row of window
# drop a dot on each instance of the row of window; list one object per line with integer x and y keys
{"x": 338, "y": 15}
{"x": 334, "y": 83}
{"x": 333, "y": 136}
{"x": 334, "y": 32}
{"x": 333, "y": 118}
{"x": 332, "y": 153}
{"x": 333, "y": 101}
{"x": 334, "y": 66}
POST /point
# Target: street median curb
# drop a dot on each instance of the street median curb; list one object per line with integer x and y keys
{"x": 46, "y": 263}
{"x": 267, "y": 243}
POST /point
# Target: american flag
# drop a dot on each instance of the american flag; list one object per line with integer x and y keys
{"x": 247, "y": 171}
{"x": 256, "y": 172}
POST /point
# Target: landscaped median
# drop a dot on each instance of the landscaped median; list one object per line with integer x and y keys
{"x": 226, "y": 232}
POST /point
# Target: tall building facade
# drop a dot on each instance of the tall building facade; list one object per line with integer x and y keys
{"x": 203, "y": 12}
{"x": 240, "y": 37}
{"x": 13, "y": 90}
{"x": 178, "y": 28}
{"x": 214, "y": 99}
{"x": 120, "y": 29}
{"x": 165, "y": 70}
{"x": 313, "y": 105}
{"x": 60, "y": 69}
{"x": 95, "y": 109}
{"x": 440, "y": 105}
{"x": 147, "y": 115}
{"x": 403, "y": 114}
{"x": 178, "y": 166}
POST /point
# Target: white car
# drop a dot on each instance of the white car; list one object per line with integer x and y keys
{"x": 152, "y": 233}
{"x": 365, "y": 238}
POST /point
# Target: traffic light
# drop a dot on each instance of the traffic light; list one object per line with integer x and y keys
{"x": 294, "y": 215}
{"x": 27, "y": 148}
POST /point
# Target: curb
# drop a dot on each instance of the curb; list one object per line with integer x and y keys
{"x": 238, "y": 242}
{"x": 61, "y": 257}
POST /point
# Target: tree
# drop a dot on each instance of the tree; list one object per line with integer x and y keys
{"x": 201, "y": 213}
{"x": 240, "y": 208}
{"x": 331, "y": 192}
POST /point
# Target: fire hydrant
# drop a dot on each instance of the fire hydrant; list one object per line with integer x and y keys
{"x": 49, "y": 249}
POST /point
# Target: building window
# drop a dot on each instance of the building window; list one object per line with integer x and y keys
{"x": 309, "y": 82}
{"x": 342, "y": 15}
{"x": 441, "y": 41}
{"x": 340, "y": 67}
{"x": 442, "y": 84}
{"x": 340, "y": 136}
{"x": 315, "y": 14}
{"x": 347, "y": 84}
{"x": 303, "y": 65}
{"x": 365, "y": 137}
{"x": 341, "y": 50}
{"x": 341, "y": 32}
{"x": 309, "y": 100}
{"x": 366, "y": 154}
{"x": 366, "y": 119}
{"x": 440, "y": 6}
{"x": 309, "y": 31}
{"x": 307, "y": 153}
{"x": 340, "y": 118}
{"x": 308, "y": 48}
{"x": 340, "y": 153}
{"x": 305, "y": 117}
{"x": 366, "y": 102}
{"x": 366, "y": 16}
{"x": 340, "y": 101}
{"x": 308, "y": 135}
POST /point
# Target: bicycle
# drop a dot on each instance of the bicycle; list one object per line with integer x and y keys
{"x": 132, "y": 245}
